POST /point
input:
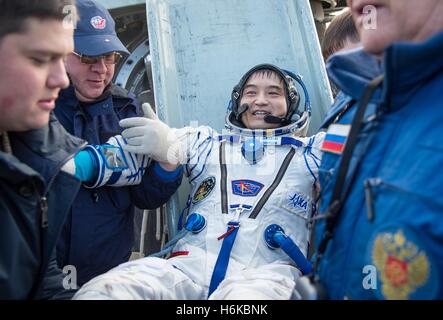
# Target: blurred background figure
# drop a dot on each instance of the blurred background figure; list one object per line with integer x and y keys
{"x": 341, "y": 35}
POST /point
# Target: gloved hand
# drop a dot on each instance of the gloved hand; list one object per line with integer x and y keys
{"x": 116, "y": 165}
{"x": 149, "y": 135}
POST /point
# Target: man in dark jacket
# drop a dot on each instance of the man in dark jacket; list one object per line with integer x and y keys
{"x": 98, "y": 234}
{"x": 34, "y": 193}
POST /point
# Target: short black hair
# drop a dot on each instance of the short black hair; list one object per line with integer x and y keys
{"x": 14, "y": 13}
{"x": 266, "y": 73}
{"x": 340, "y": 29}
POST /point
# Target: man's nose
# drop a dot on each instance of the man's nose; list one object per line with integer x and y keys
{"x": 58, "y": 78}
{"x": 260, "y": 99}
{"x": 99, "y": 66}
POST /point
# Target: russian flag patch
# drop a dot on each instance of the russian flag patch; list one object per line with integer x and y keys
{"x": 335, "y": 138}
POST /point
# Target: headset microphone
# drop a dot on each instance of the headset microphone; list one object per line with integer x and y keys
{"x": 273, "y": 119}
{"x": 242, "y": 109}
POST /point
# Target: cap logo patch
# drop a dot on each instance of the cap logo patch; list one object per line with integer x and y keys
{"x": 98, "y": 22}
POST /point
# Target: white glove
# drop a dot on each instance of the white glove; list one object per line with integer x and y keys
{"x": 149, "y": 135}
{"x": 116, "y": 165}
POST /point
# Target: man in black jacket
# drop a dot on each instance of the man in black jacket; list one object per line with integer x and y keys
{"x": 99, "y": 231}
{"x": 35, "y": 37}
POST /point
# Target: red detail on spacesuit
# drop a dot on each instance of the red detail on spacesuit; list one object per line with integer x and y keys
{"x": 227, "y": 233}
{"x": 178, "y": 253}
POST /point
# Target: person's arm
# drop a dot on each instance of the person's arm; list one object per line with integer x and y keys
{"x": 150, "y": 136}
{"x": 170, "y": 147}
{"x": 158, "y": 184}
{"x": 107, "y": 164}
{"x": 52, "y": 287}
{"x": 156, "y": 187}
{"x": 83, "y": 166}
{"x": 167, "y": 166}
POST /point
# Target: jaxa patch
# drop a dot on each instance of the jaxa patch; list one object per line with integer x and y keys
{"x": 404, "y": 268}
{"x": 246, "y": 188}
{"x": 335, "y": 138}
{"x": 297, "y": 203}
{"x": 203, "y": 190}
{"x": 297, "y": 200}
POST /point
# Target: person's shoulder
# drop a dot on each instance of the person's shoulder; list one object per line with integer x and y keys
{"x": 122, "y": 99}
{"x": 200, "y": 132}
{"x": 118, "y": 92}
{"x": 319, "y": 135}
{"x": 207, "y": 129}
{"x": 341, "y": 103}
{"x": 313, "y": 141}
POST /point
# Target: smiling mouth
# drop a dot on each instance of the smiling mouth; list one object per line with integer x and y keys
{"x": 260, "y": 113}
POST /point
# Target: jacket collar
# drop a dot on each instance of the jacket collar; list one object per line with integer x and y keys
{"x": 409, "y": 65}
{"x": 352, "y": 70}
{"x": 16, "y": 172}
{"x": 45, "y": 150}
{"x": 103, "y": 105}
{"x": 405, "y": 65}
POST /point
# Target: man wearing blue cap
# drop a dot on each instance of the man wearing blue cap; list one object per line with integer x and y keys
{"x": 98, "y": 233}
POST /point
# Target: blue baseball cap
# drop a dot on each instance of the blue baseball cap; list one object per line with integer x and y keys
{"x": 95, "y": 32}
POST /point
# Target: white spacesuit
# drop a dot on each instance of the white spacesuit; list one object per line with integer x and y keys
{"x": 247, "y": 186}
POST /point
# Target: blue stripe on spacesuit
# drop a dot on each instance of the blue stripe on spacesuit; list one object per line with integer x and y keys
{"x": 265, "y": 140}
{"x": 204, "y": 166}
{"x": 315, "y": 159}
{"x": 308, "y": 150}
{"x": 205, "y": 144}
{"x": 309, "y": 167}
{"x": 223, "y": 258}
{"x": 131, "y": 156}
{"x": 208, "y": 143}
{"x": 229, "y": 137}
{"x": 188, "y": 160}
{"x": 197, "y": 137}
{"x": 114, "y": 177}
{"x": 195, "y": 148}
{"x": 313, "y": 156}
{"x": 291, "y": 141}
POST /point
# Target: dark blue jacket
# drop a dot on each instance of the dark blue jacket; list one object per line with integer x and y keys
{"x": 99, "y": 231}
{"x": 34, "y": 200}
{"x": 388, "y": 241}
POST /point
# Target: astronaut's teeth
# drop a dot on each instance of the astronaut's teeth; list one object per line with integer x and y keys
{"x": 260, "y": 113}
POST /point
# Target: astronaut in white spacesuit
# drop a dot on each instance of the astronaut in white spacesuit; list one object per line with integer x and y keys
{"x": 246, "y": 234}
